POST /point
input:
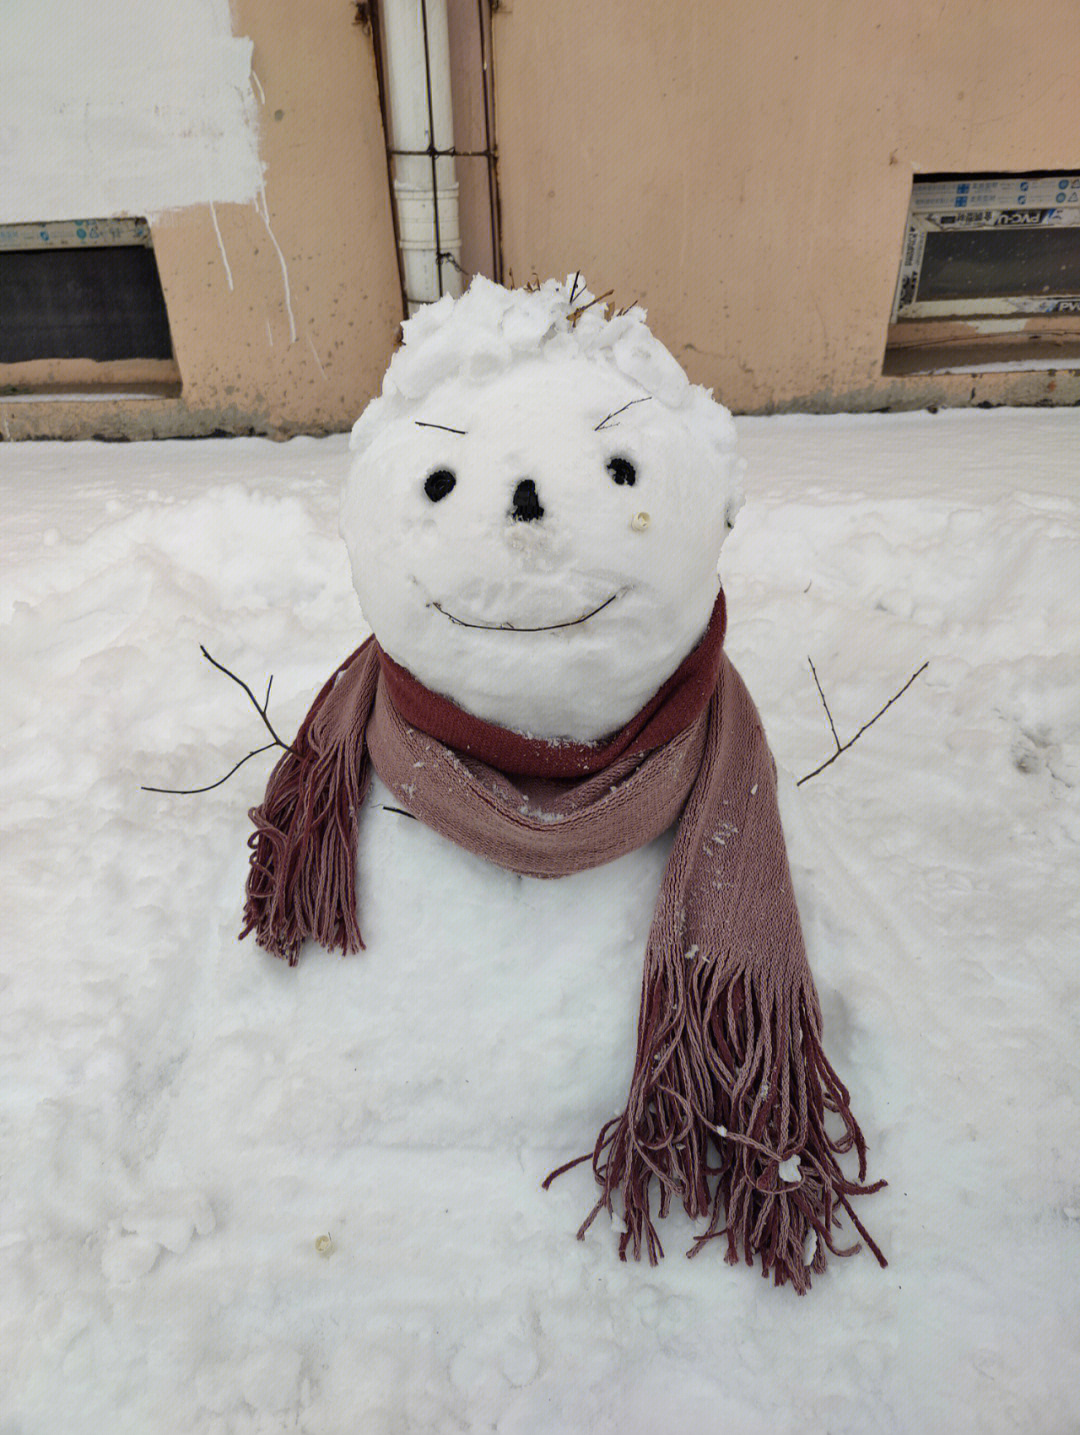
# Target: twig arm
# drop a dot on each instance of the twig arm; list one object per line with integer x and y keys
{"x": 889, "y": 704}
{"x": 260, "y": 708}
{"x": 824, "y": 704}
{"x": 189, "y": 791}
{"x": 843, "y": 747}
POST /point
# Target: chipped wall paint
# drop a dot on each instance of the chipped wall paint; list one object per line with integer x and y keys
{"x": 123, "y": 108}
{"x": 283, "y": 297}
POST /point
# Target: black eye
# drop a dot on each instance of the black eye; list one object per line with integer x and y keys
{"x": 439, "y": 484}
{"x": 622, "y": 471}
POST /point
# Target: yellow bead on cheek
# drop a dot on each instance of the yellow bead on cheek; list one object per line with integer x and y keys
{"x": 640, "y": 522}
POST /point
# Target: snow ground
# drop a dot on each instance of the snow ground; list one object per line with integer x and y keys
{"x": 183, "y": 1117}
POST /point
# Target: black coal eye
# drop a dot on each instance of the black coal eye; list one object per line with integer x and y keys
{"x": 439, "y": 484}
{"x": 622, "y": 471}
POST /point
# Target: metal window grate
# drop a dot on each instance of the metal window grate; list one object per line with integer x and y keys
{"x": 81, "y": 290}
{"x": 990, "y": 246}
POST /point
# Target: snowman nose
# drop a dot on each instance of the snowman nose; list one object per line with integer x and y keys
{"x": 526, "y": 503}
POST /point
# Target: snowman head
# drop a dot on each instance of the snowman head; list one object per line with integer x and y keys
{"x": 536, "y": 506}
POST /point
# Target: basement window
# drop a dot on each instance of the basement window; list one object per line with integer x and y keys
{"x": 989, "y": 275}
{"x": 82, "y": 312}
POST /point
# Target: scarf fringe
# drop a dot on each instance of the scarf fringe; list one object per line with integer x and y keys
{"x": 302, "y": 878}
{"x": 730, "y": 1085}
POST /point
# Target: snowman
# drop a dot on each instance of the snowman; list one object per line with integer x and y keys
{"x": 556, "y": 557}
{"x": 534, "y": 516}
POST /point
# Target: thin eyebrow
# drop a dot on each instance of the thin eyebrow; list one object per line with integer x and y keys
{"x": 611, "y": 415}
{"x": 420, "y": 424}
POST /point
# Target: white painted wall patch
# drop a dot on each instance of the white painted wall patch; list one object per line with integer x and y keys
{"x": 124, "y": 108}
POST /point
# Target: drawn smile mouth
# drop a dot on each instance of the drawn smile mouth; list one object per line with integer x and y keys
{"x": 520, "y": 628}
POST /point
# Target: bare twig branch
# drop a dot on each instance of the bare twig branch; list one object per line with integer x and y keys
{"x": 613, "y": 413}
{"x": 889, "y": 704}
{"x": 420, "y": 424}
{"x": 575, "y": 314}
{"x": 189, "y": 791}
{"x": 824, "y": 704}
{"x": 260, "y": 708}
{"x": 843, "y": 747}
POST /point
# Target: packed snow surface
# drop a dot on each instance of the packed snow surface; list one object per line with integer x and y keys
{"x": 185, "y": 1120}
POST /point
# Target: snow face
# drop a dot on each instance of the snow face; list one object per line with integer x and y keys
{"x": 536, "y": 509}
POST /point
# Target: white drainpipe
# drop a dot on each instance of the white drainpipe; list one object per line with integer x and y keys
{"x": 425, "y": 192}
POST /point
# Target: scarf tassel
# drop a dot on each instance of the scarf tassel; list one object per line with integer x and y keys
{"x": 302, "y": 878}
{"x": 727, "y": 1113}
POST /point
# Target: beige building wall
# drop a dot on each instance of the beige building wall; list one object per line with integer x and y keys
{"x": 284, "y": 311}
{"x": 744, "y": 170}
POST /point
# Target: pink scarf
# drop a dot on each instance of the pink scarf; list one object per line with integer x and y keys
{"x": 731, "y": 1088}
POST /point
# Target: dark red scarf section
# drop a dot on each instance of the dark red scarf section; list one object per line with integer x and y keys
{"x": 670, "y": 711}
{"x": 302, "y": 885}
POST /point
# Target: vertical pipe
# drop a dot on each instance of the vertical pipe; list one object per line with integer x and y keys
{"x": 489, "y": 141}
{"x": 422, "y": 131}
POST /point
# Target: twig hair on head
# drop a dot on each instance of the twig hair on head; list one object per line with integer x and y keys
{"x": 603, "y": 422}
{"x": 490, "y": 329}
